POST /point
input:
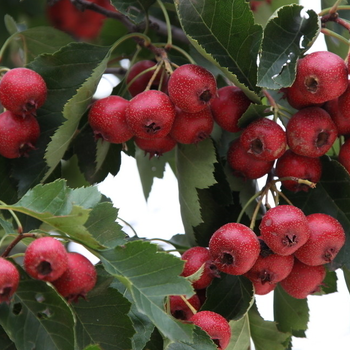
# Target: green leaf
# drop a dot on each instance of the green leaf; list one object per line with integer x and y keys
{"x": 240, "y": 334}
{"x": 265, "y": 334}
{"x": 151, "y": 168}
{"x": 150, "y": 276}
{"x": 90, "y": 62}
{"x": 135, "y": 10}
{"x": 201, "y": 341}
{"x": 331, "y": 196}
{"x": 290, "y": 314}
{"x": 287, "y": 35}
{"x": 224, "y": 32}
{"x": 102, "y": 319}
{"x": 93, "y": 347}
{"x": 195, "y": 170}
{"x": 38, "y": 317}
{"x": 73, "y": 212}
{"x": 5, "y": 341}
{"x": 103, "y": 226}
{"x": 38, "y": 40}
{"x": 230, "y": 296}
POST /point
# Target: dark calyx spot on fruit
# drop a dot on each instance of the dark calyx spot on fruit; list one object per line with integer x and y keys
{"x": 329, "y": 254}
{"x": 311, "y": 84}
{"x": 322, "y": 139}
{"x": 201, "y": 136}
{"x": 179, "y": 314}
{"x": 152, "y": 128}
{"x": 256, "y": 146}
{"x": 227, "y": 259}
{"x": 44, "y": 268}
{"x": 25, "y": 148}
{"x": 264, "y": 249}
{"x": 5, "y": 293}
{"x": 30, "y": 106}
{"x": 265, "y": 277}
{"x": 217, "y": 342}
{"x": 290, "y": 240}
{"x": 205, "y": 96}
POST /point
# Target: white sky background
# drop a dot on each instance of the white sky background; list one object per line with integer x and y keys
{"x": 329, "y": 326}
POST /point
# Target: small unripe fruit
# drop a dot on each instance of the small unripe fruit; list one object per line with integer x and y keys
{"x": 22, "y": 91}
{"x": 215, "y": 325}
{"x": 9, "y": 280}
{"x": 18, "y": 135}
{"x": 45, "y": 259}
{"x": 234, "y": 248}
{"x": 191, "y": 88}
{"x": 78, "y": 279}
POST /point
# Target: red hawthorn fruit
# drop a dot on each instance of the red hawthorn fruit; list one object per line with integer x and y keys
{"x": 45, "y": 259}
{"x": 192, "y": 87}
{"x": 215, "y": 325}
{"x": 78, "y": 279}
{"x": 263, "y": 288}
{"x": 140, "y": 83}
{"x": 270, "y": 269}
{"x": 18, "y": 135}
{"x": 264, "y": 139}
{"x": 304, "y": 280}
{"x": 191, "y": 128}
{"x": 294, "y": 165}
{"x": 311, "y": 132}
{"x": 327, "y": 237}
{"x": 344, "y": 155}
{"x": 156, "y": 147}
{"x": 284, "y": 229}
{"x": 234, "y": 248}
{"x": 180, "y": 309}
{"x": 84, "y": 25}
{"x": 339, "y": 110}
{"x": 320, "y": 77}
{"x": 108, "y": 121}
{"x": 22, "y": 91}
{"x": 228, "y": 107}
{"x": 244, "y": 164}
{"x": 150, "y": 114}
{"x": 195, "y": 258}
{"x": 9, "y": 280}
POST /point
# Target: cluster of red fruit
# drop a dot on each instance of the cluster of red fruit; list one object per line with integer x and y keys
{"x": 22, "y": 92}
{"x": 46, "y": 259}
{"x": 81, "y": 24}
{"x": 320, "y": 93}
{"x": 292, "y": 249}
{"x": 163, "y": 110}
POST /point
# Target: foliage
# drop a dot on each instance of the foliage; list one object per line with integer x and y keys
{"x": 53, "y": 192}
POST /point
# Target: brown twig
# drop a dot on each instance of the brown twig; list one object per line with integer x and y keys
{"x": 16, "y": 241}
